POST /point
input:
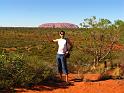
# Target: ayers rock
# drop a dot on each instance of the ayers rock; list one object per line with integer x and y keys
{"x": 58, "y": 25}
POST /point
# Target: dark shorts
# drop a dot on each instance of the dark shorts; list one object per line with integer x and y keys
{"x": 61, "y": 62}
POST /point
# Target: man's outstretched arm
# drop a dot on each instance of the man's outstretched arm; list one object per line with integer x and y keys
{"x": 50, "y": 39}
{"x": 55, "y": 40}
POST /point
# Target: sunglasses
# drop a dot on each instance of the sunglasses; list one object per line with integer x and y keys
{"x": 61, "y": 34}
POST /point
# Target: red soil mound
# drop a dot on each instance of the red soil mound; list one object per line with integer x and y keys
{"x": 118, "y": 47}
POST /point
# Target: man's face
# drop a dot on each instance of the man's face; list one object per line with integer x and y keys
{"x": 62, "y": 34}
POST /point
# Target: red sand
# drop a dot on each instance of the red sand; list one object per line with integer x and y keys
{"x": 107, "y": 86}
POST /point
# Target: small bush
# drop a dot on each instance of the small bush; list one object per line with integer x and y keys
{"x": 117, "y": 73}
{"x": 19, "y": 70}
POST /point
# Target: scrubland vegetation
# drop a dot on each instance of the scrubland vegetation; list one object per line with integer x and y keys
{"x": 27, "y": 56}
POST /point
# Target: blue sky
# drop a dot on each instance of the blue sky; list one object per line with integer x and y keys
{"x": 31, "y": 13}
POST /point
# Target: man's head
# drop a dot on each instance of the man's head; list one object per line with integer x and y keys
{"x": 62, "y": 32}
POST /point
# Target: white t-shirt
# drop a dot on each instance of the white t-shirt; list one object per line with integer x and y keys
{"x": 62, "y": 46}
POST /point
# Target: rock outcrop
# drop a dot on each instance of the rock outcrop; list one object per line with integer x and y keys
{"x": 58, "y": 25}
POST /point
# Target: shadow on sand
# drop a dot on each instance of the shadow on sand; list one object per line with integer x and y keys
{"x": 47, "y": 85}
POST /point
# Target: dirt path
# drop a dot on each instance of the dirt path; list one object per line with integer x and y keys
{"x": 107, "y": 86}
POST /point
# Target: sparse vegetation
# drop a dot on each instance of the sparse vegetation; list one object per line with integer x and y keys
{"x": 27, "y": 57}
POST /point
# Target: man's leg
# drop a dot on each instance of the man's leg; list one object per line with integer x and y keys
{"x": 64, "y": 67}
{"x": 60, "y": 76}
{"x": 66, "y": 76}
{"x": 59, "y": 65}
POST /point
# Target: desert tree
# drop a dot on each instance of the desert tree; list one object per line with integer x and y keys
{"x": 102, "y": 36}
{"x": 118, "y": 23}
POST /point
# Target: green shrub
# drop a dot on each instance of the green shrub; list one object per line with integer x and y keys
{"x": 21, "y": 70}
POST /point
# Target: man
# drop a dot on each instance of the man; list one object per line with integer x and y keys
{"x": 64, "y": 46}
